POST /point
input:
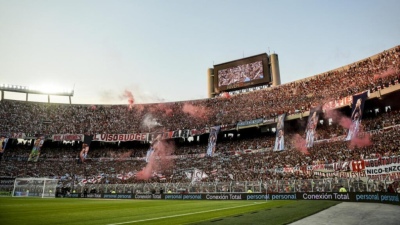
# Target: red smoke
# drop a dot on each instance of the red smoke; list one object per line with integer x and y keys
{"x": 194, "y": 111}
{"x": 161, "y": 108}
{"x": 226, "y": 95}
{"x": 159, "y": 160}
{"x": 164, "y": 108}
{"x": 339, "y": 118}
{"x": 139, "y": 107}
{"x": 124, "y": 156}
{"x": 146, "y": 172}
{"x": 345, "y": 122}
{"x": 299, "y": 143}
{"x": 360, "y": 140}
{"x": 388, "y": 72}
{"x": 127, "y": 94}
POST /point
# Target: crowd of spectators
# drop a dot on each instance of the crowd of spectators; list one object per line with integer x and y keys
{"x": 42, "y": 118}
{"x": 234, "y": 161}
{"x": 236, "y": 158}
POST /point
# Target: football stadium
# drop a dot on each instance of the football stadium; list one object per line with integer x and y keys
{"x": 295, "y": 148}
{"x": 255, "y": 148}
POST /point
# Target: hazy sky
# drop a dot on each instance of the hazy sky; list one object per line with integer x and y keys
{"x": 160, "y": 49}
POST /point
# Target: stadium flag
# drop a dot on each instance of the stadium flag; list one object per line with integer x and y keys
{"x": 212, "y": 140}
{"x": 188, "y": 174}
{"x": 87, "y": 139}
{"x": 311, "y": 126}
{"x": 120, "y": 176}
{"x": 356, "y": 114}
{"x": 198, "y": 175}
{"x": 35, "y": 153}
{"x": 149, "y": 153}
{"x": 3, "y": 143}
{"x": 126, "y": 176}
{"x": 280, "y": 139}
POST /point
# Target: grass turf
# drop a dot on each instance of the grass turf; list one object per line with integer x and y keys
{"x": 105, "y": 212}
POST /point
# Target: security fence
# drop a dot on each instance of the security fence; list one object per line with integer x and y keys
{"x": 273, "y": 186}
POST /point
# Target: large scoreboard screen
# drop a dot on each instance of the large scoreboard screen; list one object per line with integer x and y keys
{"x": 242, "y": 73}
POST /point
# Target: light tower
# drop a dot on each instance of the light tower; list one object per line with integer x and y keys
{"x": 35, "y": 90}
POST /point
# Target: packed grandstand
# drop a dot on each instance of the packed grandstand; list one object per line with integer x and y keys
{"x": 143, "y": 147}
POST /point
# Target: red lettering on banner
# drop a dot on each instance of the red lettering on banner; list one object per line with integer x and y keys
{"x": 382, "y": 161}
{"x": 317, "y": 167}
{"x": 67, "y": 137}
{"x": 109, "y": 137}
{"x": 288, "y": 169}
{"x": 56, "y": 137}
{"x": 74, "y": 137}
{"x": 351, "y": 174}
{"x": 358, "y": 166}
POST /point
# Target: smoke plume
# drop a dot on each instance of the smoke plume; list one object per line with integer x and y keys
{"x": 194, "y": 111}
{"x": 339, "y": 118}
{"x": 160, "y": 160}
{"x": 129, "y": 96}
{"x": 150, "y": 122}
{"x": 360, "y": 139}
{"x": 299, "y": 143}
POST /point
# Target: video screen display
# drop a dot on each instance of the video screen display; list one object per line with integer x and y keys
{"x": 241, "y": 73}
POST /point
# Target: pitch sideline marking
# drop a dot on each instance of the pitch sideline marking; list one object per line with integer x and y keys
{"x": 185, "y": 214}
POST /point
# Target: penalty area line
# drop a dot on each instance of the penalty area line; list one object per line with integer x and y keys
{"x": 185, "y": 214}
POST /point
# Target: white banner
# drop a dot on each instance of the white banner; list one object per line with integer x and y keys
{"x": 67, "y": 137}
{"x": 384, "y": 169}
{"x": 119, "y": 137}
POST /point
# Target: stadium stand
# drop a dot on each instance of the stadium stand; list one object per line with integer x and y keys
{"x": 244, "y": 157}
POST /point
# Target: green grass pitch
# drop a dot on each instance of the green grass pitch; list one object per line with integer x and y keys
{"x": 118, "y": 212}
